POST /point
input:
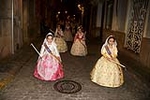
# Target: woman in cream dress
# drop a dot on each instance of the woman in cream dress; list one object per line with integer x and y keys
{"x": 106, "y": 71}
{"x": 79, "y": 47}
{"x": 59, "y": 40}
{"x": 67, "y": 32}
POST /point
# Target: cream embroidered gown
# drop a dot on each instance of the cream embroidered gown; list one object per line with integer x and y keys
{"x": 79, "y": 47}
{"x": 105, "y": 72}
{"x": 67, "y": 33}
{"x": 59, "y": 40}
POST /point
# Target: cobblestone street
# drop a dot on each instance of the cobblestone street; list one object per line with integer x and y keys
{"x": 24, "y": 86}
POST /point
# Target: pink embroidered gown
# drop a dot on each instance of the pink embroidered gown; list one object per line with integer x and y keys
{"x": 48, "y": 68}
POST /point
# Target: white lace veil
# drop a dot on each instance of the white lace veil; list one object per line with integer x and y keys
{"x": 45, "y": 41}
{"x": 106, "y": 41}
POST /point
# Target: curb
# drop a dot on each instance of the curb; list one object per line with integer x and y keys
{"x": 16, "y": 63}
{"x": 15, "y": 67}
{"x": 11, "y": 75}
{"x": 5, "y": 81}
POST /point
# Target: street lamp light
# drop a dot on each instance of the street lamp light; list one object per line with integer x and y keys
{"x": 66, "y": 12}
{"x": 58, "y": 12}
{"x": 81, "y": 8}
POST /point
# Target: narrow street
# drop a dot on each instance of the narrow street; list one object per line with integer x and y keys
{"x": 25, "y": 87}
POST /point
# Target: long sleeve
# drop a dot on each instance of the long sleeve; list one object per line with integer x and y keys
{"x": 115, "y": 52}
{"x": 42, "y": 50}
{"x": 76, "y": 35}
{"x": 103, "y": 52}
{"x": 56, "y": 32}
{"x": 56, "y": 52}
{"x": 62, "y": 33}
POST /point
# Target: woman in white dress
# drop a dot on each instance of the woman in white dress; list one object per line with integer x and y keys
{"x": 49, "y": 66}
{"x": 107, "y": 71}
{"x": 79, "y": 47}
{"x": 59, "y": 40}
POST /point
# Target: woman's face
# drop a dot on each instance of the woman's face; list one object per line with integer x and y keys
{"x": 111, "y": 41}
{"x": 80, "y": 30}
{"x": 49, "y": 39}
{"x": 58, "y": 27}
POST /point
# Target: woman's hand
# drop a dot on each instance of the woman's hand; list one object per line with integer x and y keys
{"x": 40, "y": 58}
{"x": 109, "y": 59}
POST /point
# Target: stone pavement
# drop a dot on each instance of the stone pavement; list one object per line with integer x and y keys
{"x": 11, "y": 65}
{"x": 18, "y": 83}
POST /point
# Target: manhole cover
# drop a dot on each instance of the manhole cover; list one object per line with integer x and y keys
{"x": 67, "y": 86}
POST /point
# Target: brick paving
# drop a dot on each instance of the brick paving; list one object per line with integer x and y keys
{"x": 20, "y": 84}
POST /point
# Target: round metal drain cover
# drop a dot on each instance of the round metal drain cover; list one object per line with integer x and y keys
{"x": 67, "y": 86}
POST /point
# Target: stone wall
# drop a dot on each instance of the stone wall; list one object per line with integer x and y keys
{"x": 145, "y": 52}
{"x": 5, "y": 28}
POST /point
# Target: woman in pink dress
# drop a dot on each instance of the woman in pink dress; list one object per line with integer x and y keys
{"x": 49, "y": 67}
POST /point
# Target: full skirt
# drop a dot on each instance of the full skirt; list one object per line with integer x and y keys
{"x": 68, "y": 35}
{"x": 79, "y": 48}
{"x": 106, "y": 73}
{"x": 48, "y": 69}
{"x": 61, "y": 44}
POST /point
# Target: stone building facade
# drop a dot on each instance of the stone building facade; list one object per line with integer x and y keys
{"x": 129, "y": 21}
